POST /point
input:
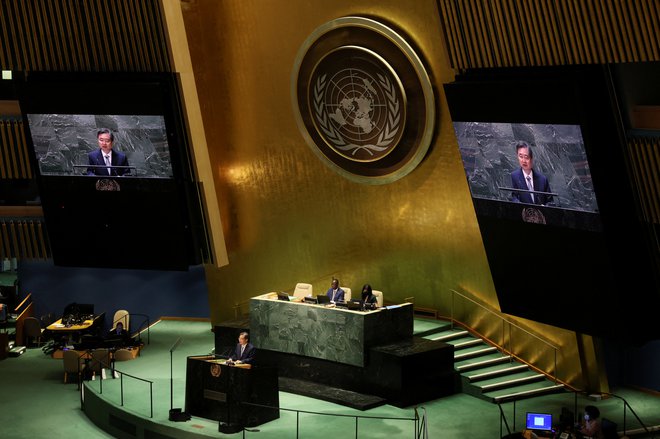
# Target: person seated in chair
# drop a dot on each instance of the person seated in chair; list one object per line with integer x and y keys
{"x": 335, "y": 293}
{"x": 591, "y": 427}
{"x": 120, "y": 335}
{"x": 368, "y": 299}
{"x": 245, "y": 352}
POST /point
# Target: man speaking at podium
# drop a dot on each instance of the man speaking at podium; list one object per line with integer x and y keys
{"x": 244, "y": 352}
{"x": 105, "y": 161}
{"x": 529, "y": 179}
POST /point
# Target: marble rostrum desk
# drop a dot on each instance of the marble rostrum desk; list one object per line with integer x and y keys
{"x": 355, "y": 358}
{"x": 334, "y": 334}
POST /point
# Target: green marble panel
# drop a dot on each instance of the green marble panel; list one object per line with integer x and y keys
{"x": 328, "y": 333}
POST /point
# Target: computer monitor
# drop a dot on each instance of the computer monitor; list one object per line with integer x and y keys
{"x": 354, "y": 304}
{"x": 322, "y": 298}
{"x": 539, "y": 421}
{"x": 283, "y": 296}
{"x": 311, "y": 300}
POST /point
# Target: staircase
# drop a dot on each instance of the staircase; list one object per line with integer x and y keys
{"x": 487, "y": 373}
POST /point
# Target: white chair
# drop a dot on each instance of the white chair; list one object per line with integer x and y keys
{"x": 121, "y": 316}
{"x": 303, "y": 290}
{"x": 379, "y": 298}
{"x": 347, "y": 293}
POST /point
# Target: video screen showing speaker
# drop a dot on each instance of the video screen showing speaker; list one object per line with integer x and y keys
{"x": 564, "y": 246}
{"x": 541, "y": 170}
{"x": 114, "y": 170}
{"x": 75, "y": 145}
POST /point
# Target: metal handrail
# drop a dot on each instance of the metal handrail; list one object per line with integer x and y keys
{"x": 121, "y": 384}
{"x": 418, "y": 431}
{"x": 510, "y": 324}
{"x": 625, "y": 404}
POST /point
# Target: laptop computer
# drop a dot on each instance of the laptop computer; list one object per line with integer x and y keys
{"x": 283, "y": 296}
{"x": 311, "y": 300}
{"x": 354, "y": 305}
{"x": 323, "y": 299}
{"x": 539, "y": 421}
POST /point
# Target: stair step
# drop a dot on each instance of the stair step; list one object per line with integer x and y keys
{"x": 467, "y": 353}
{"x": 523, "y": 392}
{"x": 467, "y": 343}
{"x": 516, "y": 380}
{"x": 430, "y": 328}
{"x": 450, "y": 336}
{"x": 498, "y": 370}
{"x": 479, "y": 364}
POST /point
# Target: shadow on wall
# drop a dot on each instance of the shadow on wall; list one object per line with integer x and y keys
{"x": 150, "y": 292}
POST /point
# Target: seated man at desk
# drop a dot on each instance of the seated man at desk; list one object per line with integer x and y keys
{"x": 119, "y": 336}
{"x": 245, "y": 352}
{"x": 335, "y": 293}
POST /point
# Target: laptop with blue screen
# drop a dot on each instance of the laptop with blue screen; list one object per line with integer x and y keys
{"x": 539, "y": 421}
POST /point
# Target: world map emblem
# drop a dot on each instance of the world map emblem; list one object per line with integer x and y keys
{"x": 362, "y": 100}
{"x": 358, "y": 104}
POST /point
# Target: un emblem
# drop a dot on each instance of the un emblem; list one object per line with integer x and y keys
{"x": 350, "y": 90}
{"x": 358, "y": 104}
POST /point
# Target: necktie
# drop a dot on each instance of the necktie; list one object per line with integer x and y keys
{"x": 334, "y": 293}
{"x": 242, "y": 349}
{"x": 529, "y": 186}
{"x": 107, "y": 163}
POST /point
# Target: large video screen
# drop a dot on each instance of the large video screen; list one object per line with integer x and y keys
{"x": 114, "y": 169}
{"x": 70, "y": 145}
{"x": 532, "y": 165}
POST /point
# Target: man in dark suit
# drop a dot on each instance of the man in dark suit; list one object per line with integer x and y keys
{"x": 526, "y": 178}
{"x": 105, "y": 161}
{"x": 245, "y": 352}
{"x": 335, "y": 293}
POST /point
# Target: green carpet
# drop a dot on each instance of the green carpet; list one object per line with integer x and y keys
{"x": 35, "y": 403}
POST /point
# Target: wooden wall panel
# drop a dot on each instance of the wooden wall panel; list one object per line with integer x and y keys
{"x": 14, "y": 158}
{"x": 23, "y": 238}
{"x": 510, "y": 33}
{"x": 83, "y": 35}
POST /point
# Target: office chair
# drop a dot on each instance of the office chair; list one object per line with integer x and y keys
{"x": 32, "y": 330}
{"x": 303, "y": 290}
{"x": 73, "y": 363}
{"x": 121, "y": 316}
{"x": 379, "y": 298}
{"x": 347, "y": 293}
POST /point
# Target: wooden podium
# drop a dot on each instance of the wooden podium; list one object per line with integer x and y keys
{"x": 225, "y": 393}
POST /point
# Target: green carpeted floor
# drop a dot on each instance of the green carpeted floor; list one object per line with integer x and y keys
{"x": 35, "y": 403}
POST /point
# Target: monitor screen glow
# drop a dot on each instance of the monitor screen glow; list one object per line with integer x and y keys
{"x": 539, "y": 421}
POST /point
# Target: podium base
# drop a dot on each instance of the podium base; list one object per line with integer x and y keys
{"x": 177, "y": 415}
{"x": 229, "y": 428}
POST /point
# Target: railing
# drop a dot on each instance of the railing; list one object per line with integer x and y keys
{"x": 507, "y": 324}
{"x": 626, "y": 406}
{"x": 420, "y": 428}
{"x": 105, "y": 365}
{"x": 624, "y": 421}
{"x": 140, "y": 327}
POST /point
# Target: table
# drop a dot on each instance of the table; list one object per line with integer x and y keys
{"x": 329, "y": 333}
{"x": 59, "y": 328}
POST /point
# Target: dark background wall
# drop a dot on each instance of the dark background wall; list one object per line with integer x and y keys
{"x": 150, "y": 292}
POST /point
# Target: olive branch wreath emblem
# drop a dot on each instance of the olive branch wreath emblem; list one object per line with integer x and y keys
{"x": 386, "y": 136}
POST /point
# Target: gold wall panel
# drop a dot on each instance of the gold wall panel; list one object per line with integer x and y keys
{"x": 288, "y": 218}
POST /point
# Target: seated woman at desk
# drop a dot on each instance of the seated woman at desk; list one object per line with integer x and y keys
{"x": 591, "y": 426}
{"x": 368, "y": 299}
